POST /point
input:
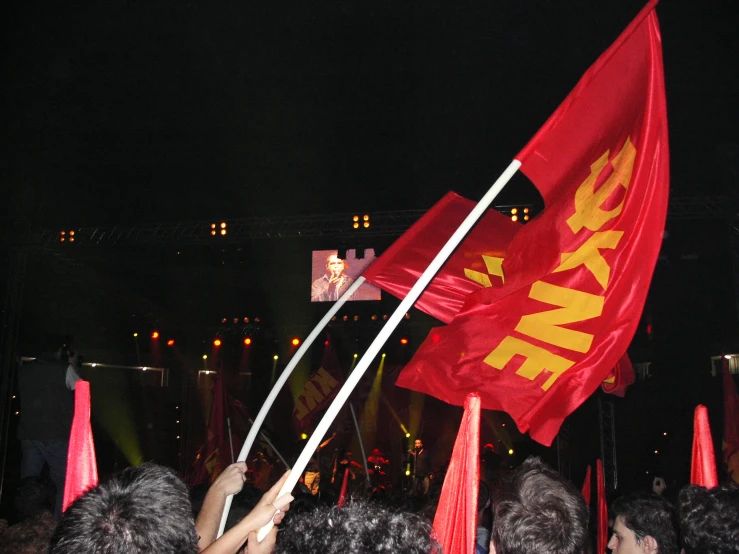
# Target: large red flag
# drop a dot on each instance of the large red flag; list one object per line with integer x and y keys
{"x": 578, "y": 274}
{"x": 455, "y": 522}
{"x": 82, "y": 469}
{"x": 703, "y": 464}
{"x": 730, "y": 443}
{"x": 475, "y": 264}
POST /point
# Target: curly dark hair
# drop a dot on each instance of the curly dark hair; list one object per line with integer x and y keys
{"x": 709, "y": 519}
{"x": 145, "y": 509}
{"x": 536, "y": 510}
{"x": 647, "y": 514}
{"x": 359, "y": 528}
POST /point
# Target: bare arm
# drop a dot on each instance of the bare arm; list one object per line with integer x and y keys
{"x": 230, "y": 481}
{"x": 264, "y": 512}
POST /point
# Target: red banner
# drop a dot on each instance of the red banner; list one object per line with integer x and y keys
{"x": 619, "y": 378}
{"x": 318, "y": 391}
{"x": 476, "y": 263}
{"x": 82, "y": 469}
{"x": 576, "y": 277}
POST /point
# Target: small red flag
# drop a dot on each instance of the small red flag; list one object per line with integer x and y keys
{"x": 344, "y": 485}
{"x": 455, "y": 522}
{"x": 602, "y": 538}
{"x": 318, "y": 391}
{"x": 576, "y": 277}
{"x": 586, "y": 493}
{"x": 82, "y": 469}
{"x": 703, "y": 465}
{"x": 730, "y": 443}
{"x": 619, "y": 378}
{"x": 475, "y": 264}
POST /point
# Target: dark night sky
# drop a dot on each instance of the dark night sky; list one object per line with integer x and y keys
{"x": 125, "y": 112}
{"x": 122, "y": 112}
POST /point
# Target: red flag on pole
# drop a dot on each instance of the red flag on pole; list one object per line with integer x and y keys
{"x": 455, "y": 522}
{"x": 82, "y": 469}
{"x": 730, "y": 443}
{"x": 477, "y": 262}
{"x": 586, "y": 492}
{"x": 318, "y": 391}
{"x": 576, "y": 277}
{"x": 619, "y": 378}
{"x": 703, "y": 465}
{"x": 602, "y": 538}
{"x": 344, "y": 485}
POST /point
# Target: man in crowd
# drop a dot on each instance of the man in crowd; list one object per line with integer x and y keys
{"x": 645, "y": 523}
{"x": 709, "y": 519}
{"x": 537, "y": 511}
{"x": 47, "y": 406}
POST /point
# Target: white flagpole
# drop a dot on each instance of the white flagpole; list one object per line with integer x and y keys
{"x": 264, "y": 410}
{"x": 392, "y": 323}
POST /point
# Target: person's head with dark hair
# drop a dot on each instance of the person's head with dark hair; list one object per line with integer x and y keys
{"x": 536, "y": 511}
{"x": 33, "y": 496}
{"x": 709, "y": 519}
{"x": 644, "y": 523}
{"x": 359, "y": 528}
{"x": 145, "y": 509}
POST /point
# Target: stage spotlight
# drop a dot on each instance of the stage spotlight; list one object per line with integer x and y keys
{"x": 246, "y": 320}
{"x": 155, "y": 335}
{"x": 135, "y": 335}
{"x": 247, "y": 341}
{"x": 510, "y": 451}
{"x": 205, "y": 356}
{"x": 407, "y": 435}
{"x": 356, "y": 318}
{"x": 326, "y": 343}
{"x": 224, "y": 320}
{"x": 235, "y": 320}
{"x": 525, "y": 218}
{"x": 170, "y": 342}
{"x": 213, "y": 229}
{"x": 514, "y": 211}
{"x": 303, "y": 436}
{"x": 514, "y": 218}
{"x": 275, "y": 357}
{"x": 217, "y": 342}
{"x": 404, "y": 341}
{"x": 345, "y": 318}
{"x": 384, "y": 317}
{"x": 407, "y": 316}
{"x": 383, "y": 354}
{"x": 374, "y": 317}
{"x": 356, "y": 355}
{"x": 295, "y": 341}
{"x": 355, "y": 222}
{"x": 407, "y": 472}
{"x": 256, "y": 320}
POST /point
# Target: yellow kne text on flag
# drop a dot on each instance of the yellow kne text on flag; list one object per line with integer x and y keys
{"x": 573, "y": 305}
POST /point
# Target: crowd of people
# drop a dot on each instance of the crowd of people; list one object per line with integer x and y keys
{"x": 531, "y": 510}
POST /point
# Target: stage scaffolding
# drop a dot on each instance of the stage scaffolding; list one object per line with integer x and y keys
{"x": 45, "y": 245}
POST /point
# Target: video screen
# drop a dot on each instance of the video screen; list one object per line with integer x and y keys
{"x": 332, "y": 276}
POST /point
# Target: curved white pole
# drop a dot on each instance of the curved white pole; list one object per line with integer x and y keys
{"x": 284, "y": 376}
{"x": 392, "y": 323}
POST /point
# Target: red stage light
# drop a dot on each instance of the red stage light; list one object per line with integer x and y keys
{"x": 326, "y": 343}
{"x": 404, "y": 341}
{"x": 247, "y": 341}
{"x": 295, "y": 342}
{"x": 170, "y": 342}
{"x": 155, "y": 335}
{"x": 217, "y": 342}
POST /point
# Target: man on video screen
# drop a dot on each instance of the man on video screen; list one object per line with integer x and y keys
{"x": 333, "y": 283}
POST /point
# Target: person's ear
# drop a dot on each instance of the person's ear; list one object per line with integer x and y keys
{"x": 649, "y": 545}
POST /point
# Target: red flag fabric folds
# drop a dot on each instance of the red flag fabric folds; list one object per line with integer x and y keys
{"x": 455, "y": 522}
{"x": 602, "y": 537}
{"x": 318, "y": 391}
{"x": 703, "y": 465}
{"x": 586, "y": 493}
{"x": 82, "y": 469}
{"x": 730, "y": 443}
{"x": 619, "y": 378}
{"x": 576, "y": 277}
{"x": 476, "y": 263}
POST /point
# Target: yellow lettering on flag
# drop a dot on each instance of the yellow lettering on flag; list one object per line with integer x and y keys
{"x": 494, "y": 266}
{"x": 588, "y": 201}
{"x": 575, "y": 306}
{"x": 588, "y": 254}
{"x": 537, "y": 360}
{"x": 300, "y": 410}
{"x": 323, "y": 379}
{"x": 311, "y": 395}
